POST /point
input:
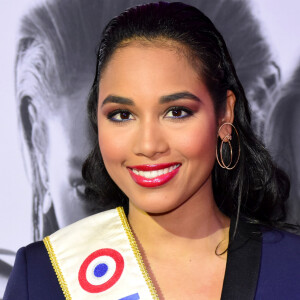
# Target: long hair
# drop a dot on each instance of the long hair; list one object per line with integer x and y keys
{"x": 256, "y": 189}
{"x": 56, "y": 54}
{"x": 282, "y": 139}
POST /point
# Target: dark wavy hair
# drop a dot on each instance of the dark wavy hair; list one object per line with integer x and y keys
{"x": 255, "y": 189}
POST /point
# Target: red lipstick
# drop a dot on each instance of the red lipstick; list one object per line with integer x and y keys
{"x": 144, "y": 175}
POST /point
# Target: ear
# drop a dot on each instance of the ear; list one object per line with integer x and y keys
{"x": 227, "y": 117}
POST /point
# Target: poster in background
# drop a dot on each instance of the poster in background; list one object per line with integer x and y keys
{"x": 47, "y": 63}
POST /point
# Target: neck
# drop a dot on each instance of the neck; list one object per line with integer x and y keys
{"x": 197, "y": 224}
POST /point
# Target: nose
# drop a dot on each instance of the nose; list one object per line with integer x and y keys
{"x": 150, "y": 140}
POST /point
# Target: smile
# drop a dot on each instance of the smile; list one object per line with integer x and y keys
{"x": 153, "y": 175}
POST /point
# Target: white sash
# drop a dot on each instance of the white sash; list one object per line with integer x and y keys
{"x": 98, "y": 258}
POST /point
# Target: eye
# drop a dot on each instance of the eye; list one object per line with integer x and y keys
{"x": 79, "y": 188}
{"x": 178, "y": 112}
{"x": 120, "y": 116}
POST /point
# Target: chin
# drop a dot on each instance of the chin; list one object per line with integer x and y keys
{"x": 160, "y": 207}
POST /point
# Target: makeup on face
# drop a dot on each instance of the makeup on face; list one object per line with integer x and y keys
{"x": 156, "y": 128}
{"x": 175, "y": 106}
{"x": 153, "y": 175}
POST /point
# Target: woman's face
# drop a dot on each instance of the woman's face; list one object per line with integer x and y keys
{"x": 68, "y": 145}
{"x": 153, "y": 109}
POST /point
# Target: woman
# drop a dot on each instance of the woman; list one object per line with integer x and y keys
{"x": 49, "y": 96}
{"x": 54, "y": 38}
{"x": 176, "y": 150}
{"x": 282, "y": 138}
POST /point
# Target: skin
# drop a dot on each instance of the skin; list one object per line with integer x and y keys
{"x": 282, "y": 120}
{"x": 66, "y": 151}
{"x": 58, "y": 142}
{"x": 177, "y": 225}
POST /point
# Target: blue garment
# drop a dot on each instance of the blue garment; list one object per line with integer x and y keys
{"x": 279, "y": 276}
{"x": 259, "y": 268}
{"x": 33, "y": 277}
{"x": 266, "y": 268}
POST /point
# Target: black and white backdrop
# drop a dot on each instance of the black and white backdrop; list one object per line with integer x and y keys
{"x": 47, "y": 58}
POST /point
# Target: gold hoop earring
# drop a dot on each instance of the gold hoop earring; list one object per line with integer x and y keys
{"x": 229, "y": 138}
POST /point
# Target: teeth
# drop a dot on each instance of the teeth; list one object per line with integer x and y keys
{"x": 153, "y": 174}
{"x": 145, "y": 174}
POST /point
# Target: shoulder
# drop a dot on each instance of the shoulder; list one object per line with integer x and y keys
{"x": 281, "y": 244}
{"x": 34, "y": 270}
{"x": 280, "y": 265}
{"x": 32, "y": 276}
{"x": 32, "y": 254}
{"x": 35, "y": 251}
{"x": 281, "y": 254}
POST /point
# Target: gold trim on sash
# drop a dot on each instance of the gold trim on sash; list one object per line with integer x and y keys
{"x": 136, "y": 252}
{"x": 56, "y": 268}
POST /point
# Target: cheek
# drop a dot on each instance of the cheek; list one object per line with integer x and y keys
{"x": 58, "y": 154}
{"x": 198, "y": 142}
{"x": 112, "y": 147}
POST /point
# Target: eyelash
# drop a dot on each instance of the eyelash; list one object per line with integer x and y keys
{"x": 180, "y": 108}
{"x": 111, "y": 115}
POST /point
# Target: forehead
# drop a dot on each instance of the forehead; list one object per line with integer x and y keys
{"x": 158, "y": 45}
{"x": 148, "y": 63}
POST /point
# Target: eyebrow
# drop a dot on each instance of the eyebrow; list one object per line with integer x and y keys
{"x": 177, "y": 96}
{"x": 117, "y": 99}
{"x": 162, "y": 99}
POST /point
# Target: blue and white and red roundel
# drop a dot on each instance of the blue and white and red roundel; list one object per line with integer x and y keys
{"x": 101, "y": 270}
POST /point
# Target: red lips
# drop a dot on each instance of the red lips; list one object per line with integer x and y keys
{"x": 153, "y": 167}
{"x": 155, "y": 181}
